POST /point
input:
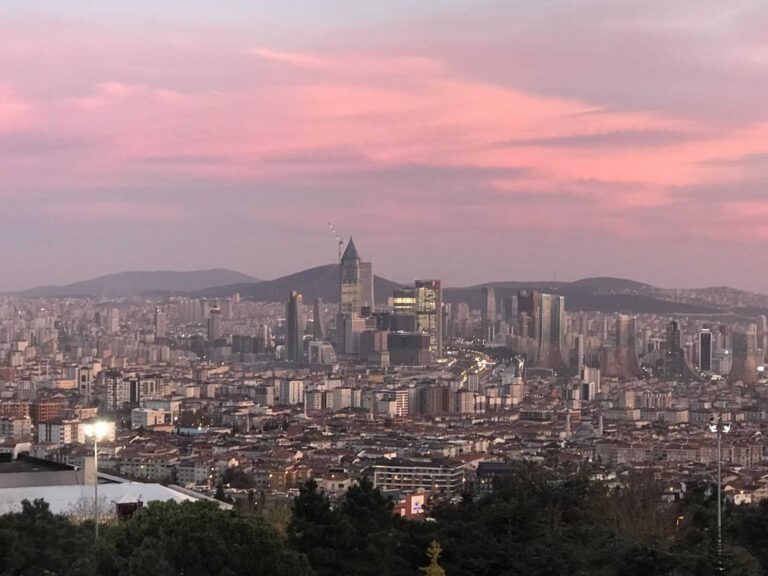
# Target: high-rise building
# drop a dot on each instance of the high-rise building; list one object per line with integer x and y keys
{"x": 509, "y": 309}
{"x": 528, "y": 310}
{"x": 373, "y": 347}
{"x": 366, "y": 285}
{"x": 404, "y": 301}
{"x": 705, "y": 350}
{"x": 291, "y": 392}
{"x": 294, "y": 311}
{"x": 264, "y": 339}
{"x": 228, "y": 309}
{"x": 674, "y": 362}
{"x": 349, "y": 327}
{"x": 579, "y": 352}
{"x": 161, "y": 324}
{"x": 318, "y": 321}
{"x": 356, "y": 282}
{"x": 551, "y": 332}
{"x": 744, "y": 367}
{"x": 429, "y": 313}
{"x": 447, "y": 317}
{"x": 214, "y": 324}
{"x": 488, "y": 319}
{"x": 321, "y": 352}
{"x": 626, "y": 347}
{"x": 113, "y": 321}
{"x": 459, "y": 320}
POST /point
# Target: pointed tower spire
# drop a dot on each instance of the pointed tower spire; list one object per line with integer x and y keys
{"x": 350, "y": 253}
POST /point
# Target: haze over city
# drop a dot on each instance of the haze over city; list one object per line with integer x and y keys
{"x": 471, "y": 142}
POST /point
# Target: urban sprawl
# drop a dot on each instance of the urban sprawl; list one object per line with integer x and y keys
{"x": 241, "y": 399}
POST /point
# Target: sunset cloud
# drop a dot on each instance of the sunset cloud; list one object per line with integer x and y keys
{"x": 590, "y": 136}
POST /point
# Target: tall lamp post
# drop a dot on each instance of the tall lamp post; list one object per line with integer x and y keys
{"x": 719, "y": 427}
{"x": 98, "y": 431}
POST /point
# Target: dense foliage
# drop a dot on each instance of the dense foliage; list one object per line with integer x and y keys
{"x": 163, "y": 539}
{"x": 537, "y": 523}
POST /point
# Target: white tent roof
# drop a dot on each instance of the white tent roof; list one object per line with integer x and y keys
{"x": 62, "y": 499}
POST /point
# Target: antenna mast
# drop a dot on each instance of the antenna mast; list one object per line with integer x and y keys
{"x": 339, "y": 239}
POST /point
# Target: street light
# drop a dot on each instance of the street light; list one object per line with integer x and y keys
{"x": 719, "y": 428}
{"x": 97, "y": 430}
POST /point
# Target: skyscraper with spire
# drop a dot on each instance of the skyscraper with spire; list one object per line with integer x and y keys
{"x": 356, "y": 282}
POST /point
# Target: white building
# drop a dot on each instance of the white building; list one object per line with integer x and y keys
{"x": 147, "y": 417}
{"x": 58, "y": 432}
{"x": 16, "y": 428}
{"x": 291, "y": 392}
{"x": 342, "y": 398}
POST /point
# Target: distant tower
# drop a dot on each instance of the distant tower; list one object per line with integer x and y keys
{"x": 626, "y": 347}
{"x": 744, "y": 366}
{"x": 214, "y": 324}
{"x": 161, "y": 324}
{"x": 579, "y": 350}
{"x": 294, "y": 312}
{"x": 113, "y": 320}
{"x": 509, "y": 309}
{"x": 674, "y": 362}
{"x": 705, "y": 350}
{"x": 366, "y": 285}
{"x": 356, "y": 282}
{"x": 528, "y": 309}
{"x": 349, "y": 297}
{"x": 318, "y": 324}
{"x": 551, "y": 332}
{"x": 429, "y": 313}
{"x": 488, "y": 320}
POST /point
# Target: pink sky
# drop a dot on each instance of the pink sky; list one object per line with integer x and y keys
{"x": 483, "y": 141}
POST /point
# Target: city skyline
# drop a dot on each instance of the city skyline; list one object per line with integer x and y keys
{"x": 578, "y": 141}
{"x": 309, "y": 288}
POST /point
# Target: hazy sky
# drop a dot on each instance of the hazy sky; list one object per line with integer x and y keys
{"x": 468, "y": 141}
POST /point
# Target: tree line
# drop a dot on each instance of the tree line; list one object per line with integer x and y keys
{"x": 537, "y": 523}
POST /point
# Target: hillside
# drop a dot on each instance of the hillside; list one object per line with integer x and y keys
{"x": 319, "y": 282}
{"x": 134, "y": 283}
{"x": 589, "y": 294}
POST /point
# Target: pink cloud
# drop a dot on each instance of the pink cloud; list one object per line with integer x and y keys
{"x": 324, "y": 129}
{"x": 13, "y": 110}
{"x": 347, "y": 65}
{"x": 116, "y": 212}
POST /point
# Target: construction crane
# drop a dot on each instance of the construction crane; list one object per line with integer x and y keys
{"x": 339, "y": 239}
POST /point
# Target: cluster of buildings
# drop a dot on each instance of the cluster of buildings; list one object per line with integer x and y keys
{"x": 426, "y": 396}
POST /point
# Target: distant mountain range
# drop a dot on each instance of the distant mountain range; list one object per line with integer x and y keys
{"x": 590, "y": 294}
{"x": 320, "y": 282}
{"x": 125, "y": 284}
{"x": 593, "y": 294}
